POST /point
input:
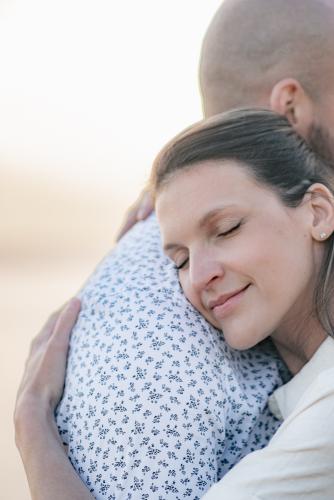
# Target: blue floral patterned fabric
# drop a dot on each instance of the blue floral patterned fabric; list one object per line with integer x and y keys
{"x": 156, "y": 405}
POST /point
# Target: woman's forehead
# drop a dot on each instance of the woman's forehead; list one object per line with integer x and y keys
{"x": 225, "y": 180}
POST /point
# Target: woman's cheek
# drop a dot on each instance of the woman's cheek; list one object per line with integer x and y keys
{"x": 188, "y": 291}
{"x": 186, "y": 287}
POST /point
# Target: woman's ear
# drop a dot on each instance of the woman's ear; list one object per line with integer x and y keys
{"x": 288, "y": 98}
{"x": 321, "y": 204}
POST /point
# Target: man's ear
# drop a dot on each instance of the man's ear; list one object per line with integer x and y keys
{"x": 288, "y": 98}
{"x": 321, "y": 203}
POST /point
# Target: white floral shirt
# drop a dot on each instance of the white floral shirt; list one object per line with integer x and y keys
{"x": 156, "y": 405}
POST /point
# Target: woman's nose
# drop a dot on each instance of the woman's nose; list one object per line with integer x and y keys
{"x": 204, "y": 269}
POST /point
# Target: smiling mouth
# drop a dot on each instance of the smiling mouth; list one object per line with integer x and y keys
{"x": 221, "y": 305}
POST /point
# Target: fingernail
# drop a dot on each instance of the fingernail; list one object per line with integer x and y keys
{"x": 74, "y": 302}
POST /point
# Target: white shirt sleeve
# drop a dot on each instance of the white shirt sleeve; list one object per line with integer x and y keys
{"x": 298, "y": 463}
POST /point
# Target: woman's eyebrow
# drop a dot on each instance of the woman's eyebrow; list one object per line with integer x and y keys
{"x": 209, "y": 218}
{"x": 170, "y": 246}
{"x": 213, "y": 214}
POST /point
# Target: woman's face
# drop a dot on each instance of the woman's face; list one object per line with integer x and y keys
{"x": 245, "y": 260}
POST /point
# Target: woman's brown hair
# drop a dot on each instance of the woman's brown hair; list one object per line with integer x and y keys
{"x": 274, "y": 154}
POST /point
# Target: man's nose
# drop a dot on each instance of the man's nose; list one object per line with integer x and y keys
{"x": 204, "y": 269}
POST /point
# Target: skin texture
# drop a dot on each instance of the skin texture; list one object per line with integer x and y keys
{"x": 261, "y": 64}
{"x": 304, "y": 96}
{"x": 270, "y": 45}
{"x": 272, "y": 256}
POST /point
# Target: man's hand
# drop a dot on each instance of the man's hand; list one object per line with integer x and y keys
{"x": 140, "y": 210}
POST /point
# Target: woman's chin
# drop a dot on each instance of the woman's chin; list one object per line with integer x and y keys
{"x": 241, "y": 340}
{"x": 237, "y": 334}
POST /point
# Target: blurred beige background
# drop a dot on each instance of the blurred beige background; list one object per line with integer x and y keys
{"x": 89, "y": 92}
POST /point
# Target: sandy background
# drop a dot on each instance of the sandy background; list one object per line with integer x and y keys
{"x": 52, "y": 239}
{"x": 89, "y": 92}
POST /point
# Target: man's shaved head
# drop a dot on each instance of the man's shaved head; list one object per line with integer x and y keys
{"x": 252, "y": 44}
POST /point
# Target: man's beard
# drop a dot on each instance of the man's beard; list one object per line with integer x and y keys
{"x": 321, "y": 142}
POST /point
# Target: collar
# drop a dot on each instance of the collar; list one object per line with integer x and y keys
{"x": 284, "y": 400}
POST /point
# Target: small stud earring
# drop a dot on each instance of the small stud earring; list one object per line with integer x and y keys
{"x": 323, "y": 236}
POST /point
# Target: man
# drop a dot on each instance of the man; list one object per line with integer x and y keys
{"x": 156, "y": 405}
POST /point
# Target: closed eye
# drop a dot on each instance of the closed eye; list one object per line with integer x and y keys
{"x": 234, "y": 228}
{"x": 183, "y": 264}
{"x": 225, "y": 233}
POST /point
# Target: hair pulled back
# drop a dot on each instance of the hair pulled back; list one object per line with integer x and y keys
{"x": 274, "y": 154}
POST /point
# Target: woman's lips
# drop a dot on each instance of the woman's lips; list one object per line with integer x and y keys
{"x": 223, "y": 305}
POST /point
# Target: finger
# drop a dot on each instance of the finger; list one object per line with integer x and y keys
{"x": 46, "y": 330}
{"x": 49, "y": 381}
{"x": 146, "y": 206}
{"x": 61, "y": 321}
{"x": 50, "y": 324}
{"x": 43, "y": 377}
{"x": 65, "y": 322}
{"x": 130, "y": 221}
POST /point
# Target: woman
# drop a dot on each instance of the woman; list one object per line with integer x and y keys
{"x": 244, "y": 189}
{"x": 247, "y": 216}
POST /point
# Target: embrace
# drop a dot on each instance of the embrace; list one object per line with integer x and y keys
{"x": 208, "y": 372}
